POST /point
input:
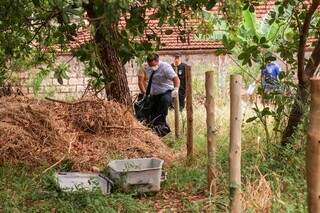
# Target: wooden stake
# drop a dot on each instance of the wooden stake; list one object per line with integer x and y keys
{"x": 313, "y": 149}
{"x": 176, "y": 117}
{"x": 211, "y": 132}
{"x": 189, "y": 113}
{"x": 235, "y": 143}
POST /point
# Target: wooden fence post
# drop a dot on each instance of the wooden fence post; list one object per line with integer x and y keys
{"x": 189, "y": 113}
{"x": 313, "y": 149}
{"x": 211, "y": 144}
{"x": 176, "y": 116}
{"x": 235, "y": 143}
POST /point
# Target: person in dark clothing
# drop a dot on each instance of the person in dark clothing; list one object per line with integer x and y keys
{"x": 180, "y": 69}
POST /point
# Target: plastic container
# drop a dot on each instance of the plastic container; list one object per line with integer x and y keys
{"x": 251, "y": 88}
{"x": 142, "y": 174}
{"x": 72, "y": 181}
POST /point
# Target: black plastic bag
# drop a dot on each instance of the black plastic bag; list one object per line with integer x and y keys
{"x": 142, "y": 108}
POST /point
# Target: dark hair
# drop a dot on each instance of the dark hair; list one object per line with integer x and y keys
{"x": 177, "y": 55}
{"x": 153, "y": 56}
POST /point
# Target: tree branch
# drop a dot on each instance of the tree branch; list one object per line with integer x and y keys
{"x": 304, "y": 32}
{"x": 42, "y": 25}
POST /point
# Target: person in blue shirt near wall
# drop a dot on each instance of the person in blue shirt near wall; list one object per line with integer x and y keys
{"x": 270, "y": 78}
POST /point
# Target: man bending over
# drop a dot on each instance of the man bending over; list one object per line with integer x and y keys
{"x": 164, "y": 85}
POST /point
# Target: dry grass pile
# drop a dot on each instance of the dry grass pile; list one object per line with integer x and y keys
{"x": 258, "y": 195}
{"x": 87, "y": 133}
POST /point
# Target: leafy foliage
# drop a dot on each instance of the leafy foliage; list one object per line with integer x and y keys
{"x": 36, "y": 30}
{"x": 60, "y": 73}
{"x": 258, "y": 42}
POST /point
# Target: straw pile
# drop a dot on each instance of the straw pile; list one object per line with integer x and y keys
{"x": 258, "y": 196}
{"x": 88, "y": 133}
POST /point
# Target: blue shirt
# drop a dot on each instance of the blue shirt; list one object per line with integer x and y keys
{"x": 271, "y": 70}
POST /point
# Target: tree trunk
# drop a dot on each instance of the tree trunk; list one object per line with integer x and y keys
{"x": 113, "y": 71}
{"x": 302, "y": 96}
{"x": 117, "y": 89}
{"x": 296, "y": 114}
{"x": 313, "y": 149}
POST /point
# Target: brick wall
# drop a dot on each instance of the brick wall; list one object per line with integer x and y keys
{"x": 77, "y": 82}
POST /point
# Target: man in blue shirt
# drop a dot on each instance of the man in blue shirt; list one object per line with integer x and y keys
{"x": 270, "y": 78}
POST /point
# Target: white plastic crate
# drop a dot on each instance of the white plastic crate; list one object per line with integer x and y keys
{"x": 72, "y": 181}
{"x": 142, "y": 174}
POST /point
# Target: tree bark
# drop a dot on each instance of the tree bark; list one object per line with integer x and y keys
{"x": 113, "y": 71}
{"x": 313, "y": 149}
{"x": 302, "y": 95}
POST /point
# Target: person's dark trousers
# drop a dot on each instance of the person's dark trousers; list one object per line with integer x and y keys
{"x": 159, "y": 108}
{"x": 182, "y": 99}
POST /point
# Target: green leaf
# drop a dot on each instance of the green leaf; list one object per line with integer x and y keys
{"x": 255, "y": 39}
{"x": 263, "y": 40}
{"x": 249, "y": 22}
{"x": 39, "y": 77}
{"x": 242, "y": 56}
{"x": 36, "y": 3}
{"x": 270, "y": 58}
{"x": 95, "y": 74}
{"x": 251, "y": 119}
{"x": 266, "y": 111}
{"x": 210, "y": 4}
{"x": 221, "y": 52}
{"x": 225, "y": 41}
{"x": 60, "y": 80}
{"x": 251, "y": 8}
{"x": 273, "y": 31}
{"x": 281, "y": 10}
{"x": 246, "y": 6}
{"x": 231, "y": 45}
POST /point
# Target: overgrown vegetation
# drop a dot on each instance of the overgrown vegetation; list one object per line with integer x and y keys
{"x": 282, "y": 34}
{"x": 273, "y": 179}
{"x": 273, "y": 175}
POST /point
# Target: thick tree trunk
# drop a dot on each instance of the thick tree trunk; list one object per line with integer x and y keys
{"x": 302, "y": 96}
{"x": 117, "y": 88}
{"x": 296, "y": 114}
{"x": 114, "y": 73}
{"x": 313, "y": 150}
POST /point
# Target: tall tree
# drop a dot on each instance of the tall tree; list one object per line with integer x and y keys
{"x": 305, "y": 71}
{"x": 281, "y": 34}
{"x": 117, "y": 28}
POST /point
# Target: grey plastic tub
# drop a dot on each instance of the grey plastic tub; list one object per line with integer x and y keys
{"x": 72, "y": 181}
{"x": 142, "y": 174}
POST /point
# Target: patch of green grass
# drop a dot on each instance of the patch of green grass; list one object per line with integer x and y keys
{"x": 22, "y": 191}
{"x": 283, "y": 169}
